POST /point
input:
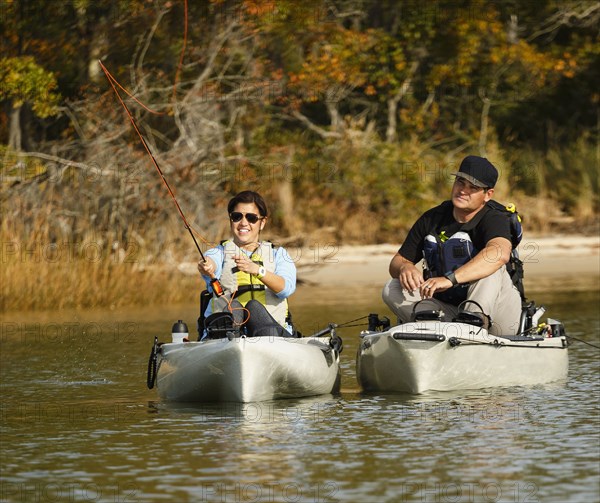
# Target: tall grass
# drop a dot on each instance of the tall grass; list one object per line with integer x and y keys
{"x": 558, "y": 189}
{"x": 70, "y": 245}
{"x": 37, "y": 273}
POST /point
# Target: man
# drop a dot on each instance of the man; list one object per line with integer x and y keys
{"x": 466, "y": 246}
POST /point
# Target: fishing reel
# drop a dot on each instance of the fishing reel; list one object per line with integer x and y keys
{"x": 377, "y": 324}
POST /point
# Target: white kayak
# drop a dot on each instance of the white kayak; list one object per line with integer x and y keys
{"x": 434, "y": 355}
{"x": 246, "y": 369}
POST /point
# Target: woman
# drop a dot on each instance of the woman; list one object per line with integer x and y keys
{"x": 257, "y": 277}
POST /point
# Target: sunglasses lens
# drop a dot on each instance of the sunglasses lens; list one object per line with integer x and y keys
{"x": 236, "y": 216}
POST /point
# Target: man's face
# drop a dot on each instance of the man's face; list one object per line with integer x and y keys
{"x": 469, "y": 197}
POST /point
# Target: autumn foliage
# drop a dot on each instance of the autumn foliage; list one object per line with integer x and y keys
{"x": 348, "y": 116}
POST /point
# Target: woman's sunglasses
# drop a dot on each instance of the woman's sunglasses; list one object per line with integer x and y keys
{"x": 252, "y": 218}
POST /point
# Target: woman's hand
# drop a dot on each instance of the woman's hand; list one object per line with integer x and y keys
{"x": 271, "y": 279}
{"x": 207, "y": 267}
{"x": 244, "y": 264}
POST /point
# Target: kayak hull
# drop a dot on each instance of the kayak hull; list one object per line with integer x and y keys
{"x": 247, "y": 369}
{"x": 444, "y": 356}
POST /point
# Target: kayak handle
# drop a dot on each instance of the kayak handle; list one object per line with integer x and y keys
{"x": 326, "y": 331}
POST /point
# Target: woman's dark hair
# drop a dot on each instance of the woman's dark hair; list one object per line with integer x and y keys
{"x": 249, "y": 197}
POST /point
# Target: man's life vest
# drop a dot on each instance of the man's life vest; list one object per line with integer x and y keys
{"x": 244, "y": 286}
{"x": 444, "y": 254}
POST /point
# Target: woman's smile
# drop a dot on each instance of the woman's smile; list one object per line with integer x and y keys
{"x": 245, "y": 233}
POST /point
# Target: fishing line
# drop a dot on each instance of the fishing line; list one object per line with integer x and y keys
{"x": 112, "y": 79}
{"x": 347, "y": 323}
{"x": 217, "y": 288}
{"x": 185, "y": 35}
{"x": 232, "y": 309}
{"x": 581, "y": 340}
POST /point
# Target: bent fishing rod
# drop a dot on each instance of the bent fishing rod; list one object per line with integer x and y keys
{"x": 216, "y": 285}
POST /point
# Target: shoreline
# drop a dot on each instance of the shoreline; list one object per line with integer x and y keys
{"x": 325, "y": 272}
{"x": 570, "y": 259}
{"x": 330, "y": 265}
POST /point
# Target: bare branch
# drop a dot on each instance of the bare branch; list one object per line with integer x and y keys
{"x": 578, "y": 15}
{"x": 53, "y": 158}
{"x": 313, "y": 127}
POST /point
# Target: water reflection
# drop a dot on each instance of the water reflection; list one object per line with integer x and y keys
{"x": 270, "y": 412}
{"x": 78, "y": 424}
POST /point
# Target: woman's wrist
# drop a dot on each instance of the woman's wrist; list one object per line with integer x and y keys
{"x": 261, "y": 273}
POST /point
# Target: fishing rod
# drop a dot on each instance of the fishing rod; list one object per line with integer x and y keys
{"x": 216, "y": 285}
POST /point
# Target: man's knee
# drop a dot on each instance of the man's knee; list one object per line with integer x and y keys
{"x": 392, "y": 292}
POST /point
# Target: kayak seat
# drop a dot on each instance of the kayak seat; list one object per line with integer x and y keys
{"x": 427, "y": 310}
{"x": 205, "y": 297}
{"x": 220, "y": 326}
{"x": 477, "y": 319}
{"x": 428, "y": 315}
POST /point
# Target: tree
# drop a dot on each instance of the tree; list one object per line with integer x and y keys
{"x": 23, "y": 81}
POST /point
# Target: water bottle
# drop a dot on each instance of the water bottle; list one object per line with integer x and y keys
{"x": 537, "y": 315}
{"x": 179, "y": 332}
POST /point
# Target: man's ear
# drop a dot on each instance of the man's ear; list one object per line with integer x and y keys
{"x": 262, "y": 223}
{"x": 489, "y": 194}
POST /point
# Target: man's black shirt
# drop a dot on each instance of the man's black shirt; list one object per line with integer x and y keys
{"x": 493, "y": 224}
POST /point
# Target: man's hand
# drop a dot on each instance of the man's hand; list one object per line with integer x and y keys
{"x": 407, "y": 273}
{"x": 434, "y": 285}
{"x": 410, "y": 277}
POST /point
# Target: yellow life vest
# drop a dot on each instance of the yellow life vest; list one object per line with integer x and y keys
{"x": 246, "y": 286}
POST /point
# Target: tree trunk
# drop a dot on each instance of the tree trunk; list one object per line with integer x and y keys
{"x": 391, "y": 134}
{"x": 15, "y": 138}
{"x": 486, "y": 98}
{"x": 334, "y": 116}
{"x": 286, "y": 195}
{"x": 483, "y": 128}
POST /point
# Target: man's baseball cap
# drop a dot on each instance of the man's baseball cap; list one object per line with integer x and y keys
{"x": 479, "y": 171}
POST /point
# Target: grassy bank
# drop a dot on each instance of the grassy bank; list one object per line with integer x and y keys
{"x": 111, "y": 240}
{"x": 30, "y": 284}
{"x": 42, "y": 272}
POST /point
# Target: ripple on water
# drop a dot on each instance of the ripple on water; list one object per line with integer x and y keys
{"x": 80, "y": 414}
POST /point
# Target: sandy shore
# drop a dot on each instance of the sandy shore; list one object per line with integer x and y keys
{"x": 571, "y": 259}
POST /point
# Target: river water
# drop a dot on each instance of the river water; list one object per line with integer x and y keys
{"x": 79, "y": 424}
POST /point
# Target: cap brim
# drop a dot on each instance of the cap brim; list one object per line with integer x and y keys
{"x": 469, "y": 178}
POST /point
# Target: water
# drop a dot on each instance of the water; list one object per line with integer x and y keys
{"x": 79, "y": 424}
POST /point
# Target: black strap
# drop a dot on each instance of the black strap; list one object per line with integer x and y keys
{"x": 471, "y": 224}
{"x": 517, "y": 273}
{"x": 249, "y": 288}
{"x": 515, "y": 265}
{"x": 466, "y": 227}
{"x": 236, "y": 269}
